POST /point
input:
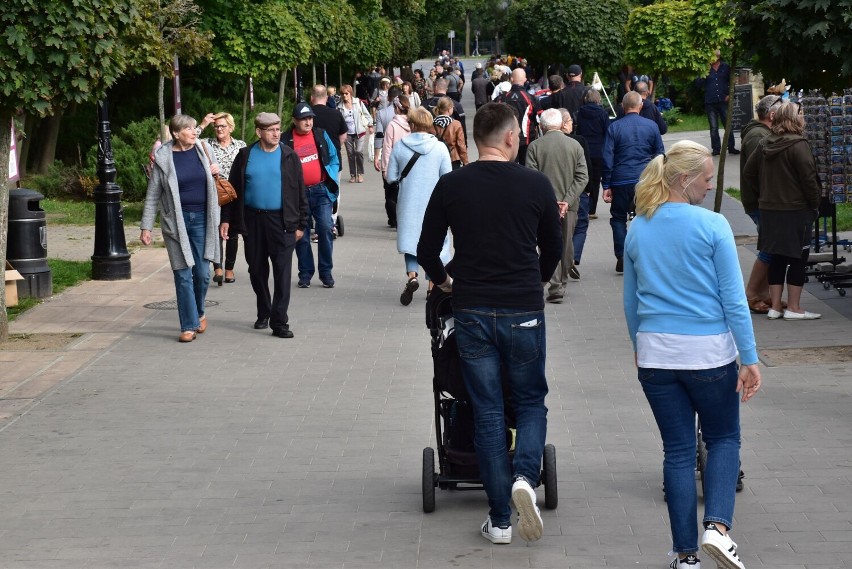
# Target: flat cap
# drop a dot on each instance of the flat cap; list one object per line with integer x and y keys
{"x": 264, "y": 120}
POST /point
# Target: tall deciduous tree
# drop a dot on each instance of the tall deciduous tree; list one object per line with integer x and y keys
{"x": 168, "y": 28}
{"x": 53, "y": 54}
{"x": 805, "y": 41}
{"x": 568, "y": 31}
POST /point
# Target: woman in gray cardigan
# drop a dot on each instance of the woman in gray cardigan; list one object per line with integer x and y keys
{"x": 182, "y": 189}
{"x": 416, "y": 189}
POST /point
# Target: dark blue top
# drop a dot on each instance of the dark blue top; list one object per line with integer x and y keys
{"x": 192, "y": 180}
{"x": 716, "y": 84}
{"x": 592, "y": 122}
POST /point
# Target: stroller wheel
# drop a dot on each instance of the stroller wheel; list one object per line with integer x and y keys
{"x": 339, "y": 225}
{"x": 428, "y": 480}
{"x": 551, "y": 496}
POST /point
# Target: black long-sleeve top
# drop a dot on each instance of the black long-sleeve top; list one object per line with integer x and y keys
{"x": 499, "y": 213}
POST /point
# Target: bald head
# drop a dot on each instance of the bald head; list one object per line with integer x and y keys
{"x": 519, "y": 76}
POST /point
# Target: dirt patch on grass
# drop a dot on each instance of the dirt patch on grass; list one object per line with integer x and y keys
{"x": 806, "y": 356}
{"x": 35, "y": 342}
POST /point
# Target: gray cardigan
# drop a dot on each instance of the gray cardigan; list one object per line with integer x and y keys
{"x": 163, "y": 194}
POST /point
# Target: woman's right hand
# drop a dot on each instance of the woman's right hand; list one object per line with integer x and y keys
{"x": 748, "y": 382}
{"x": 145, "y": 237}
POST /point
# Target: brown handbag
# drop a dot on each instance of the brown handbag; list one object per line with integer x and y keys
{"x": 224, "y": 189}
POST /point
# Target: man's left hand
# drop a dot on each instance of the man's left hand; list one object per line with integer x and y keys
{"x": 299, "y": 234}
{"x": 563, "y": 209}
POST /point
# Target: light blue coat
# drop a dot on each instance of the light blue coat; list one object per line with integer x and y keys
{"x": 416, "y": 189}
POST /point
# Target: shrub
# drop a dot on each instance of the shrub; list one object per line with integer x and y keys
{"x": 131, "y": 146}
{"x": 62, "y": 182}
{"x": 672, "y": 116}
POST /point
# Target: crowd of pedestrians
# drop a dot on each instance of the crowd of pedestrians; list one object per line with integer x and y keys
{"x": 505, "y": 234}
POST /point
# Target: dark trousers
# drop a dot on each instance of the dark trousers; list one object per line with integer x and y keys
{"x": 778, "y": 268}
{"x": 522, "y": 155}
{"x": 595, "y": 175}
{"x": 455, "y": 96}
{"x": 232, "y": 245}
{"x": 267, "y": 240}
{"x": 391, "y": 195}
{"x": 717, "y": 114}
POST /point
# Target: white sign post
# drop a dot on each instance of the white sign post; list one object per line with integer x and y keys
{"x": 13, "y": 157}
{"x": 452, "y": 36}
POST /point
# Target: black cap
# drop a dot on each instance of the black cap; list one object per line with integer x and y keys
{"x": 574, "y": 70}
{"x": 302, "y": 111}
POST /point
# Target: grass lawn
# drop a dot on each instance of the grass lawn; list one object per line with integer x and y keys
{"x": 844, "y": 211}
{"x": 690, "y": 123}
{"x": 75, "y": 212}
{"x": 65, "y": 274}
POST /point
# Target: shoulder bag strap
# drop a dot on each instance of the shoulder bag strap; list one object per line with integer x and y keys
{"x": 408, "y": 166}
{"x": 204, "y": 148}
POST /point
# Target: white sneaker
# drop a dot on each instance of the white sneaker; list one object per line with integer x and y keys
{"x": 721, "y": 548}
{"x": 773, "y": 314}
{"x": 688, "y": 562}
{"x": 530, "y": 525}
{"x": 496, "y": 534}
{"x": 790, "y": 315}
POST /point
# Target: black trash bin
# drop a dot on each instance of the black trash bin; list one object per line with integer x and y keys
{"x": 26, "y": 248}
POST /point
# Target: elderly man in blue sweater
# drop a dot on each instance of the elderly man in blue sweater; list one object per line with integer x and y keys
{"x": 630, "y": 143}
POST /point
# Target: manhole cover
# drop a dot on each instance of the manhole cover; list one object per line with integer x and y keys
{"x": 172, "y": 304}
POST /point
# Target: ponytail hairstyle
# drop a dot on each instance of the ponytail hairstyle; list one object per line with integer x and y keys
{"x": 661, "y": 174}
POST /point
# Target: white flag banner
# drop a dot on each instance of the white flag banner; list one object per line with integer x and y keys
{"x": 13, "y": 157}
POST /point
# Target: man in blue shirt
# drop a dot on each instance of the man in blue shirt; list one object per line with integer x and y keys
{"x": 630, "y": 143}
{"x": 716, "y": 88}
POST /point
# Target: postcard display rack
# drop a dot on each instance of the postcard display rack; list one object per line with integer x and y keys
{"x": 828, "y": 129}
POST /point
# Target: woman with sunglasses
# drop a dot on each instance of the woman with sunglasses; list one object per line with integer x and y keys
{"x": 688, "y": 319}
{"x": 359, "y": 124}
{"x": 782, "y": 171}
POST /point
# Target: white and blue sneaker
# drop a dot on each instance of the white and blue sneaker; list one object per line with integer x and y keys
{"x": 496, "y": 534}
{"x": 721, "y": 548}
{"x": 530, "y": 525}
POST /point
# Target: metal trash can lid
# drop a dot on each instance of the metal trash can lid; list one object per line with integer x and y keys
{"x": 24, "y": 204}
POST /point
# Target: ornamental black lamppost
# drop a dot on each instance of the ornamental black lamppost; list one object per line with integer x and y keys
{"x": 111, "y": 261}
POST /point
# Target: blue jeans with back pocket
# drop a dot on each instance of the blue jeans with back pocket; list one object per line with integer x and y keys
{"x": 675, "y": 397}
{"x": 486, "y": 338}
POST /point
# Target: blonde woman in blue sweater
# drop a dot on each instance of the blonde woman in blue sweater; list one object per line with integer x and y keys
{"x": 688, "y": 319}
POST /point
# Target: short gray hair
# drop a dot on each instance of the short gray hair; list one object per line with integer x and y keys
{"x": 440, "y": 85}
{"x": 632, "y": 100}
{"x": 180, "y": 122}
{"x": 551, "y": 119}
{"x": 641, "y": 87}
{"x": 763, "y": 106}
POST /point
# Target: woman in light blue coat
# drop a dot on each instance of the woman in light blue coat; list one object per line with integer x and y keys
{"x": 182, "y": 189}
{"x": 415, "y": 189}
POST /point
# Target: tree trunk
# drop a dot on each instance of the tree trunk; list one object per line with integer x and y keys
{"x": 161, "y": 108}
{"x": 47, "y": 142}
{"x": 245, "y": 108}
{"x": 467, "y": 34}
{"x": 340, "y": 77}
{"x": 720, "y": 175}
{"x": 282, "y": 85}
{"x": 5, "y": 141}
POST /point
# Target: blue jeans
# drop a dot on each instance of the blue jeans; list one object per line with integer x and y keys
{"x": 581, "y": 228}
{"x": 486, "y": 338}
{"x": 675, "y": 396}
{"x": 622, "y": 204}
{"x": 191, "y": 283}
{"x": 717, "y": 114}
{"x": 319, "y": 208}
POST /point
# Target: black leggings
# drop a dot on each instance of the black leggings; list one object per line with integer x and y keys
{"x": 231, "y": 247}
{"x": 796, "y": 273}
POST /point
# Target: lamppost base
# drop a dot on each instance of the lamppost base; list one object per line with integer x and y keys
{"x": 111, "y": 269}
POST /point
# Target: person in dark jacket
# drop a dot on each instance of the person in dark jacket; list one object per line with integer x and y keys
{"x": 270, "y": 212}
{"x": 783, "y": 170}
{"x": 716, "y": 86}
{"x": 592, "y": 123}
{"x": 320, "y": 166}
{"x": 757, "y": 288}
{"x": 527, "y": 109}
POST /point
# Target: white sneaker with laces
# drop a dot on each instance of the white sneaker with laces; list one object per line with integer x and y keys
{"x": 721, "y": 548}
{"x": 689, "y": 562}
{"x": 496, "y": 534}
{"x": 530, "y": 525}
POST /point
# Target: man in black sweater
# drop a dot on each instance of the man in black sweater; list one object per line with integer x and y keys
{"x": 499, "y": 213}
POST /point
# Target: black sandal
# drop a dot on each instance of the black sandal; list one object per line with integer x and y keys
{"x": 408, "y": 292}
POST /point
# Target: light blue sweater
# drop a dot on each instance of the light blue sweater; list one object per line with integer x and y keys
{"x": 682, "y": 276}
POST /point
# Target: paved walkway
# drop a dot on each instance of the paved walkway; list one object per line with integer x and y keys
{"x": 244, "y": 450}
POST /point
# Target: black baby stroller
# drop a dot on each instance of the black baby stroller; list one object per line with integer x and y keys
{"x": 458, "y": 469}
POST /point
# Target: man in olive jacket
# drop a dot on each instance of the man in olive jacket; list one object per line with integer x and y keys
{"x": 270, "y": 212}
{"x": 561, "y": 159}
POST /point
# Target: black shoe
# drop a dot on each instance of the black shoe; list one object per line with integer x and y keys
{"x": 734, "y": 151}
{"x": 282, "y": 333}
{"x": 304, "y": 284}
{"x": 408, "y": 292}
{"x": 327, "y": 282}
{"x": 573, "y": 272}
{"x": 619, "y": 265}
{"x": 261, "y": 323}
{"x": 716, "y": 153}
